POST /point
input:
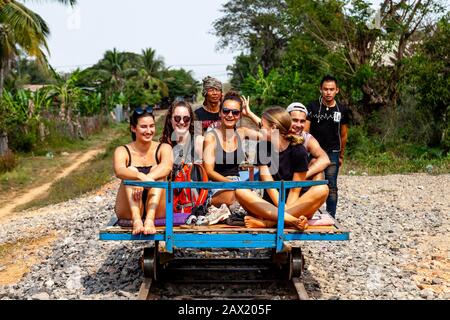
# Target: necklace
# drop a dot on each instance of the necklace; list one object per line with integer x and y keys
{"x": 331, "y": 106}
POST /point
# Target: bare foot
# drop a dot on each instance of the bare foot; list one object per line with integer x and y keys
{"x": 138, "y": 227}
{"x": 302, "y": 223}
{"x": 149, "y": 227}
{"x": 252, "y": 222}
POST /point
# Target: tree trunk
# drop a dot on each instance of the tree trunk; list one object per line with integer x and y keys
{"x": 2, "y": 80}
{"x": 62, "y": 111}
{"x": 3, "y": 144}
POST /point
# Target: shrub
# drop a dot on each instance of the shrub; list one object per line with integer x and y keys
{"x": 22, "y": 141}
{"x": 7, "y": 162}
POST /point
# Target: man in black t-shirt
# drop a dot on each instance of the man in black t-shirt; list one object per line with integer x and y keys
{"x": 328, "y": 122}
{"x": 208, "y": 114}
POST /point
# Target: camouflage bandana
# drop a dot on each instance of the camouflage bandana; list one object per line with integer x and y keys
{"x": 210, "y": 82}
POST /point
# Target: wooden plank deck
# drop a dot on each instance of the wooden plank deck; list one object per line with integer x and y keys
{"x": 226, "y": 229}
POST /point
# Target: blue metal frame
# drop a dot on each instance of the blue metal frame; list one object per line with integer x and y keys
{"x": 227, "y": 240}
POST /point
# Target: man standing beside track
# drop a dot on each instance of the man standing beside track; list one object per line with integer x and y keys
{"x": 328, "y": 121}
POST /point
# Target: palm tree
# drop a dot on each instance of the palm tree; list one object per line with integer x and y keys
{"x": 153, "y": 68}
{"x": 113, "y": 71}
{"x": 22, "y": 28}
{"x": 113, "y": 67}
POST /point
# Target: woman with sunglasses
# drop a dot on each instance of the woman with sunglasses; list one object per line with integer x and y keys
{"x": 144, "y": 160}
{"x": 223, "y": 150}
{"x": 178, "y": 132}
{"x": 281, "y": 156}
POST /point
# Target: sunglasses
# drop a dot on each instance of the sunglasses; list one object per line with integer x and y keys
{"x": 177, "y": 119}
{"x": 140, "y": 110}
{"x": 235, "y": 113}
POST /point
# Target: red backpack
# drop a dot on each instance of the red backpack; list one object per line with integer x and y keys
{"x": 184, "y": 200}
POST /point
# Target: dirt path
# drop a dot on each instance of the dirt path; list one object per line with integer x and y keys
{"x": 39, "y": 191}
{"x": 34, "y": 193}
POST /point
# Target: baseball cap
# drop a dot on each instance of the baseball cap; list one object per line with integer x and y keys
{"x": 297, "y": 106}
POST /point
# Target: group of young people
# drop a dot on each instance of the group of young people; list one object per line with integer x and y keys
{"x": 213, "y": 137}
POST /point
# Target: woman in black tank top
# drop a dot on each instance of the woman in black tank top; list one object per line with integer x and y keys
{"x": 222, "y": 149}
{"x": 283, "y": 158}
{"x": 142, "y": 160}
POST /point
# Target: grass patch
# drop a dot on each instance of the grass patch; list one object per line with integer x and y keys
{"x": 90, "y": 176}
{"x": 33, "y": 170}
{"x": 8, "y": 162}
{"x": 373, "y": 156}
{"x": 56, "y": 143}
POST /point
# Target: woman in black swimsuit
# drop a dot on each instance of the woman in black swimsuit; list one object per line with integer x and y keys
{"x": 142, "y": 160}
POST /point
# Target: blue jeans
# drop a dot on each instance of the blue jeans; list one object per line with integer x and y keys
{"x": 331, "y": 174}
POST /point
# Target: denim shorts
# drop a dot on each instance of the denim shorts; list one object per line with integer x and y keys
{"x": 213, "y": 192}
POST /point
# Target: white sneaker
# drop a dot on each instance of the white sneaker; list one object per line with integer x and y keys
{"x": 216, "y": 215}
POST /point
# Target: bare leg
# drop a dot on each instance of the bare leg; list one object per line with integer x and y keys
{"x": 227, "y": 197}
{"x": 136, "y": 211}
{"x": 125, "y": 211}
{"x": 128, "y": 208}
{"x": 265, "y": 210}
{"x": 252, "y": 222}
{"x": 122, "y": 207}
{"x": 155, "y": 206}
{"x": 309, "y": 202}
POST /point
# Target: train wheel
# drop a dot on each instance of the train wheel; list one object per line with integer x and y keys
{"x": 149, "y": 262}
{"x": 297, "y": 262}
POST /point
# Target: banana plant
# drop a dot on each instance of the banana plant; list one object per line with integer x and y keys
{"x": 90, "y": 104}
{"x": 40, "y": 101}
{"x": 16, "y": 105}
{"x": 68, "y": 95}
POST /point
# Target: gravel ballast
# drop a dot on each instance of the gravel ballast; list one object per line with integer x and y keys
{"x": 399, "y": 246}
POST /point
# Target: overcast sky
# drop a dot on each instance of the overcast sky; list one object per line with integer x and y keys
{"x": 179, "y": 31}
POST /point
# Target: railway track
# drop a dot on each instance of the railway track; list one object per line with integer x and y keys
{"x": 276, "y": 275}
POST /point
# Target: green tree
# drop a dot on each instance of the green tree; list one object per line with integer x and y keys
{"x": 181, "y": 83}
{"x": 25, "y": 70}
{"x": 153, "y": 68}
{"x": 255, "y": 25}
{"x": 429, "y": 81}
{"x": 368, "y": 56}
{"x": 141, "y": 91}
{"x": 68, "y": 94}
{"x": 244, "y": 66}
{"x": 21, "y": 28}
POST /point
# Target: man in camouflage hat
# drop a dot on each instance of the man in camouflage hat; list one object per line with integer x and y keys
{"x": 208, "y": 114}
